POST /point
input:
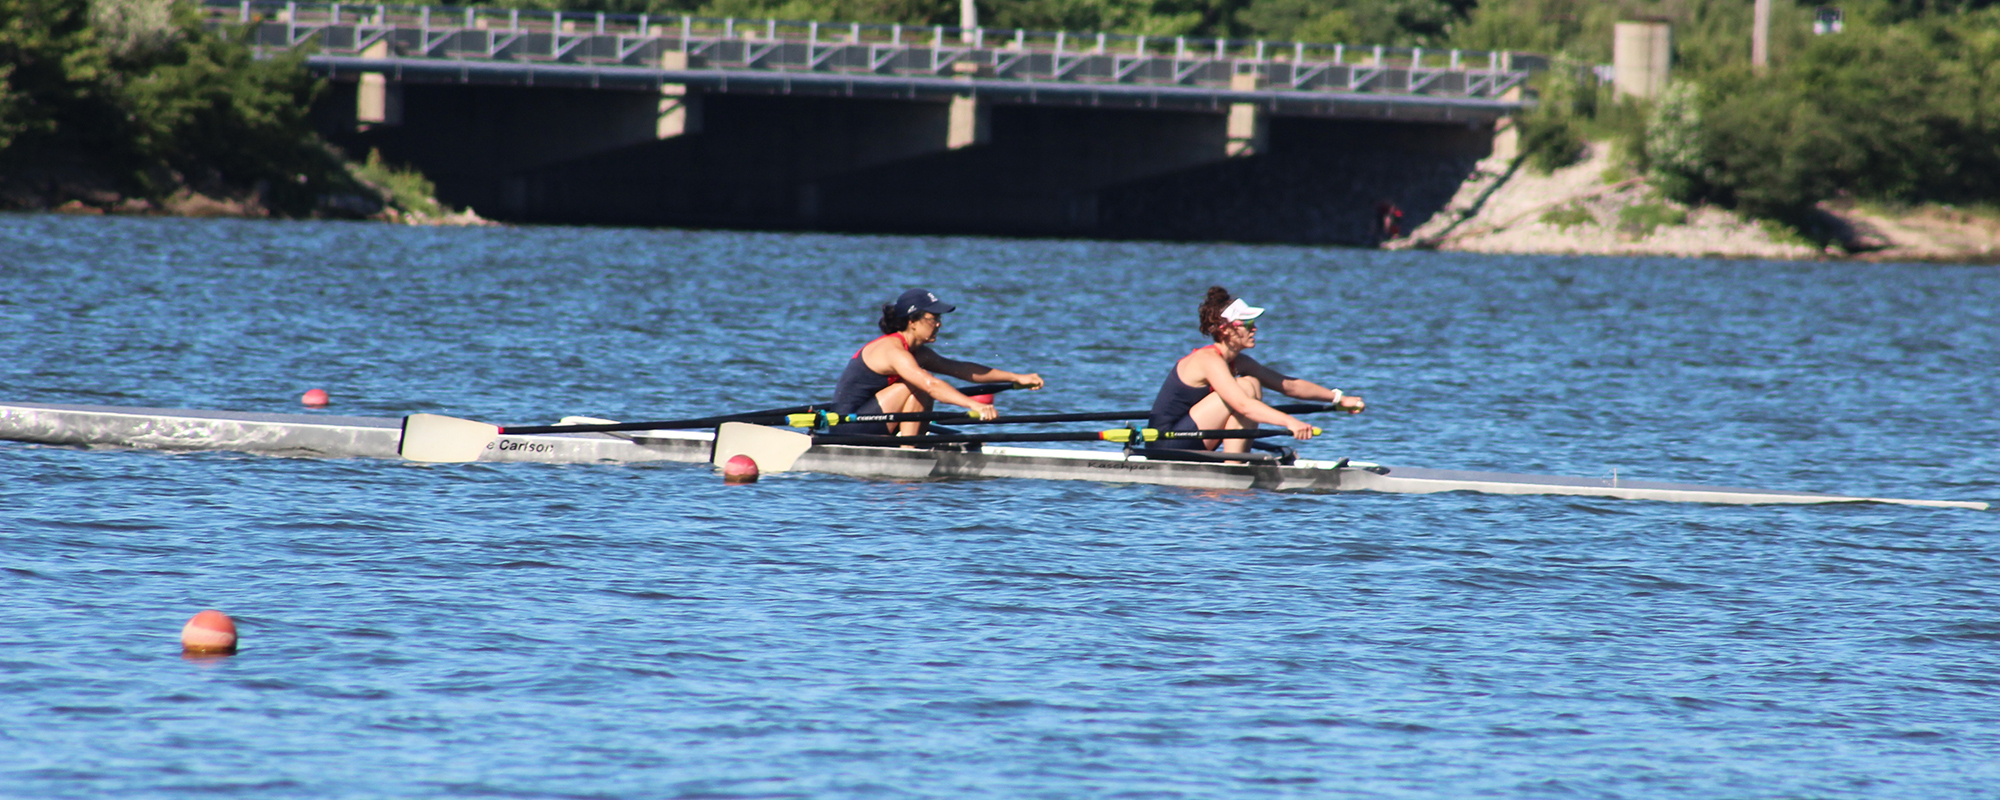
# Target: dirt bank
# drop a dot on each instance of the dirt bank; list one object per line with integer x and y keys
{"x": 77, "y": 183}
{"x": 1576, "y": 210}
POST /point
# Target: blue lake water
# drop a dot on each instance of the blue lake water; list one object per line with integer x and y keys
{"x": 528, "y": 631}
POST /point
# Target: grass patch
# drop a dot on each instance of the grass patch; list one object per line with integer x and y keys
{"x": 1551, "y": 142}
{"x": 406, "y": 188}
{"x": 1963, "y": 213}
{"x": 1569, "y": 216}
{"x": 1785, "y": 233}
{"x": 1642, "y": 219}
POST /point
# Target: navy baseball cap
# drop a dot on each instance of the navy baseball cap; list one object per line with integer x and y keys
{"x": 916, "y": 301}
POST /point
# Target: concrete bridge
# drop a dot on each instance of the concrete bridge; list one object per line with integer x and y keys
{"x": 631, "y": 119}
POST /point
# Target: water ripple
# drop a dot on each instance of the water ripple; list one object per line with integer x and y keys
{"x": 538, "y": 631}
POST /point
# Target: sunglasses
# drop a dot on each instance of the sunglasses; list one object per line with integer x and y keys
{"x": 1248, "y": 325}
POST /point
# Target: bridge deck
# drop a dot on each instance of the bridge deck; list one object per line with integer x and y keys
{"x": 641, "y": 52}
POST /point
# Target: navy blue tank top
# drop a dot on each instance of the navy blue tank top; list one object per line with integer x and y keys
{"x": 858, "y": 384}
{"x": 1171, "y": 406}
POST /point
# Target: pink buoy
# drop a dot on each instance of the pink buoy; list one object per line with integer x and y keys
{"x": 315, "y": 398}
{"x": 739, "y": 469}
{"x": 211, "y": 632}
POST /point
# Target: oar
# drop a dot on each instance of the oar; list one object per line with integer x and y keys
{"x": 1113, "y": 435}
{"x": 830, "y": 419}
{"x": 776, "y": 450}
{"x": 438, "y": 438}
{"x": 765, "y": 417}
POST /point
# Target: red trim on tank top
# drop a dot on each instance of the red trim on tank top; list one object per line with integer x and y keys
{"x": 899, "y": 337}
{"x": 1218, "y": 351}
{"x": 1218, "y": 345}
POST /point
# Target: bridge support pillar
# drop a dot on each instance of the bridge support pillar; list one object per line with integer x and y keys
{"x": 377, "y": 100}
{"x": 1249, "y": 131}
{"x": 971, "y": 123}
{"x": 680, "y": 112}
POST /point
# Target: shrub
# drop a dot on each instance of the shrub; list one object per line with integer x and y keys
{"x": 1642, "y": 219}
{"x": 1569, "y": 216}
{"x": 146, "y": 90}
{"x": 1550, "y": 141}
{"x": 407, "y": 188}
{"x": 1674, "y": 160}
{"x": 1904, "y": 114}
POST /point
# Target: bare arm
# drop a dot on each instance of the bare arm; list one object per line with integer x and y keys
{"x": 907, "y": 366}
{"x": 975, "y": 372}
{"x": 1298, "y": 387}
{"x": 1223, "y": 382}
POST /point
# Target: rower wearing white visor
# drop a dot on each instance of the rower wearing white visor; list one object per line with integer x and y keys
{"x": 892, "y": 374}
{"x": 1219, "y": 386}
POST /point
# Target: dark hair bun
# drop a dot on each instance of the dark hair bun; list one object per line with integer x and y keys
{"x": 1211, "y": 311}
{"x": 892, "y": 322}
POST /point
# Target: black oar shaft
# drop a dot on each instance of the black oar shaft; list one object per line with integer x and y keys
{"x": 770, "y": 416}
{"x": 1119, "y": 416}
{"x": 894, "y": 441}
{"x": 962, "y": 418}
{"x": 755, "y": 418}
{"x": 1058, "y": 436}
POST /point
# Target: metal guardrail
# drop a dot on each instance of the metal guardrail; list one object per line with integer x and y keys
{"x": 785, "y": 46}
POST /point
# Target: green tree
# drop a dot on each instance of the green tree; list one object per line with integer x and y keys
{"x": 1903, "y": 112}
{"x": 55, "y": 68}
{"x": 144, "y": 88}
{"x": 202, "y": 100}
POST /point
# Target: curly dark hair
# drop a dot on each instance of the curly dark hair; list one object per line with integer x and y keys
{"x": 892, "y": 320}
{"x": 1211, "y": 312}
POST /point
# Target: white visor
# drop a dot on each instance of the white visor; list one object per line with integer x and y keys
{"x": 1239, "y": 311}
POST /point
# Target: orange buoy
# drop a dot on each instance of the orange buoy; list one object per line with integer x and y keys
{"x": 315, "y": 398}
{"x": 210, "y": 632}
{"x": 739, "y": 469}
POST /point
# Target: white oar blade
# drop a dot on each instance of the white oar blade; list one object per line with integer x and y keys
{"x": 444, "y": 440}
{"x": 774, "y": 450}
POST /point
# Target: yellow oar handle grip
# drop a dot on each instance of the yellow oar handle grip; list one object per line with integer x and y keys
{"x": 1146, "y": 434}
{"x": 830, "y": 419}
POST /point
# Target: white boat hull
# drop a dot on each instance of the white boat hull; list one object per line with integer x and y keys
{"x": 321, "y": 436}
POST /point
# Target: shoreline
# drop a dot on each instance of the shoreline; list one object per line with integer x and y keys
{"x": 1501, "y": 208}
{"x": 67, "y": 182}
{"x": 1506, "y": 208}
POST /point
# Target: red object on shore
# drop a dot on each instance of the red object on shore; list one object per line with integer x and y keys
{"x": 739, "y": 469}
{"x": 315, "y": 398}
{"x": 210, "y": 632}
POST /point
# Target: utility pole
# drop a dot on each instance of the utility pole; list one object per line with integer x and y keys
{"x": 968, "y": 17}
{"x": 1760, "y": 37}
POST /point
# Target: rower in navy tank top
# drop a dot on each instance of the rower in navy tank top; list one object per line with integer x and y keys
{"x": 858, "y": 384}
{"x": 892, "y": 374}
{"x": 1219, "y": 386}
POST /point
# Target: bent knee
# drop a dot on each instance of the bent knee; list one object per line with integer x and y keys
{"x": 1251, "y": 386}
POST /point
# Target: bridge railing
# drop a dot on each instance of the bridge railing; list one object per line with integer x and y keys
{"x": 711, "y": 43}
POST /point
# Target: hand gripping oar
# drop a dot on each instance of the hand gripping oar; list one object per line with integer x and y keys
{"x": 829, "y": 419}
{"x": 1113, "y": 435}
{"x": 442, "y": 439}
